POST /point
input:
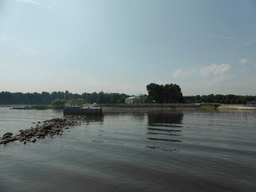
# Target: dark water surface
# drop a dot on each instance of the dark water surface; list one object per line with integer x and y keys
{"x": 174, "y": 151}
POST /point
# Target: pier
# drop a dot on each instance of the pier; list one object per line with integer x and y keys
{"x": 86, "y": 110}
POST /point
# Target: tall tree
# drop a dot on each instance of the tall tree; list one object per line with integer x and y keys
{"x": 169, "y": 93}
{"x": 101, "y": 98}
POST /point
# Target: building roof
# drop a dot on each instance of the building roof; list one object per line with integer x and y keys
{"x": 131, "y": 97}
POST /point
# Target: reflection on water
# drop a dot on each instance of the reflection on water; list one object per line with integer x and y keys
{"x": 138, "y": 116}
{"x": 172, "y": 134}
{"x": 88, "y": 119}
{"x": 167, "y": 130}
{"x": 164, "y": 127}
{"x": 162, "y": 119}
{"x": 170, "y": 140}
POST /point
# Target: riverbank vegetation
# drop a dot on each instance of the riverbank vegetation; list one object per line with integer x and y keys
{"x": 46, "y": 98}
{"x": 41, "y": 106}
{"x": 207, "y": 107}
{"x": 218, "y": 98}
{"x": 169, "y": 93}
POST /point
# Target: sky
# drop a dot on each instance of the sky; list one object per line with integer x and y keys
{"x": 205, "y": 47}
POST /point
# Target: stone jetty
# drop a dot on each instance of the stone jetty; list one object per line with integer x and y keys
{"x": 48, "y": 128}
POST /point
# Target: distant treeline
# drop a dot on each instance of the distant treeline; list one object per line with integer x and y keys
{"x": 169, "y": 93}
{"x": 48, "y": 98}
{"x": 225, "y": 99}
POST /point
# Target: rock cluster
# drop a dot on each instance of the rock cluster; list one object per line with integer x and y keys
{"x": 50, "y": 127}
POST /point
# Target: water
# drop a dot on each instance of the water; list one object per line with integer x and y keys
{"x": 174, "y": 151}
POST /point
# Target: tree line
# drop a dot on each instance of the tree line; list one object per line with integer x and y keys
{"x": 169, "y": 93}
{"x": 47, "y": 98}
{"x": 218, "y": 98}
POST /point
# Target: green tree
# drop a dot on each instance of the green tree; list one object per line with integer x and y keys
{"x": 198, "y": 99}
{"x": 217, "y": 100}
{"x": 58, "y": 102}
{"x": 148, "y": 99}
{"x": 233, "y": 101}
{"x": 169, "y": 93}
{"x": 80, "y": 101}
{"x": 101, "y": 98}
{"x": 71, "y": 101}
{"x": 122, "y": 98}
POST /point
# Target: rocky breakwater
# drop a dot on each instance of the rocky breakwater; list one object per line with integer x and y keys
{"x": 48, "y": 128}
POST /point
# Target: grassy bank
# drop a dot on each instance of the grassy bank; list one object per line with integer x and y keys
{"x": 207, "y": 107}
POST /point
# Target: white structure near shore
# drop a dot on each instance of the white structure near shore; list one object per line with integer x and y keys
{"x": 137, "y": 99}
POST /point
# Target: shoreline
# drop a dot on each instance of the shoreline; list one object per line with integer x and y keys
{"x": 163, "y": 108}
{"x": 147, "y": 109}
{"x": 235, "y": 107}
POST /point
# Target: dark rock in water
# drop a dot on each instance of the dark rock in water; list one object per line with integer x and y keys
{"x": 13, "y": 138}
{"x": 52, "y": 131}
{"x": 7, "y": 134}
{"x": 41, "y": 129}
{"x": 66, "y": 128}
{"x": 39, "y": 122}
{"x": 48, "y": 126}
{"x": 41, "y": 133}
{"x": 28, "y": 134}
{"x": 24, "y": 142}
{"x": 22, "y": 138}
{"x": 5, "y": 141}
{"x": 32, "y": 140}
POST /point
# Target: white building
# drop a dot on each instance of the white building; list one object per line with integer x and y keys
{"x": 137, "y": 99}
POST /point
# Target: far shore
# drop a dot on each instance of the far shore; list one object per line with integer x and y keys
{"x": 156, "y": 107}
{"x": 235, "y": 107}
{"x": 146, "y": 109}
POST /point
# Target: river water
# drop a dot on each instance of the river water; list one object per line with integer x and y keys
{"x": 170, "y": 151}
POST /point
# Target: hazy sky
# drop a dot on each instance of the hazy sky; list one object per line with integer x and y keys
{"x": 121, "y": 46}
